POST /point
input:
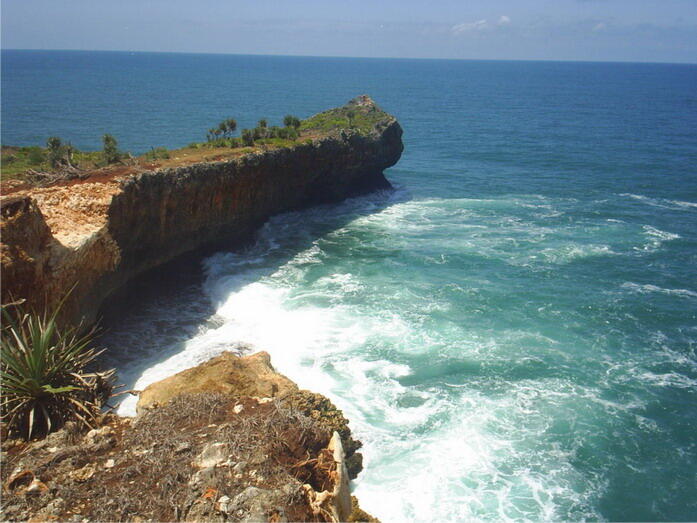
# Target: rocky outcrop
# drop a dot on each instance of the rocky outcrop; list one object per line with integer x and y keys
{"x": 104, "y": 233}
{"x": 205, "y": 453}
{"x": 225, "y": 374}
{"x": 254, "y": 377}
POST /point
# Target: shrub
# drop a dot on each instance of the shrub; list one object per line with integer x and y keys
{"x": 110, "y": 150}
{"x": 157, "y": 153}
{"x": 44, "y": 378}
{"x": 36, "y": 156}
{"x": 291, "y": 121}
{"x": 248, "y": 137}
{"x": 55, "y": 151}
{"x": 350, "y": 116}
{"x": 225, "y": 129}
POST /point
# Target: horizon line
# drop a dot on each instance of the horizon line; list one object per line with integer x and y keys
{"x": 553, "y": 60}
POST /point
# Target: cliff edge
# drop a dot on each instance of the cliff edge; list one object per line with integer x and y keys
{"x": 95, "y": 234}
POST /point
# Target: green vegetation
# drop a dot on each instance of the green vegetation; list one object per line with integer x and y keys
{"x": 59, "y": 155}
{"x": 110, "y": 149}
{"x": 17, "y": 160}
{"x": 35, "y": 156}
{"x": 291, "y": 121}
{"x": 54, "y": 147}
{"x": 354, "y": 117}
{"x": 262, "y": 134}
{"x": 225, "y": 129}
{"x": 247, "y": 137}
{"x": 157, "y": 153}
{"x": 44, "y": 377}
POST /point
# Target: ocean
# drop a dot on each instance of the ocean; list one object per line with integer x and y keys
{"x": 512, "y": 331}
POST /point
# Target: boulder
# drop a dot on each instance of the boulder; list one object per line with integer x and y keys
{"x": 227, "y": 374}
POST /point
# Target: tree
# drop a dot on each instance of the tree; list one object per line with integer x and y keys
{"x": 110, "y": 149}
{"x": 248, "y": 137}
{"x": 263, "y": 123}
{"x": 350, "y": 115}
{"x": 291, "y": 121}
{"x": 231, "y": 125}
{"x": 55, "y": 151}
{"x": 225, "y": 129}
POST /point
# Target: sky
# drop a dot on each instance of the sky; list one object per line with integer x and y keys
{"x": 595, "y": 30}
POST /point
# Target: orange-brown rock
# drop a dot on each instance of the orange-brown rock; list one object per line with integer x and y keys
{"x": 226, "y": 374}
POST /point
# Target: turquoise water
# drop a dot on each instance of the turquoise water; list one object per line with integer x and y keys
{"x": 512, "y": 331}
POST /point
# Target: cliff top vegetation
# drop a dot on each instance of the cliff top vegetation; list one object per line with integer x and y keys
{"x": 59, "y": 161}
{"x": 360, "y": 114}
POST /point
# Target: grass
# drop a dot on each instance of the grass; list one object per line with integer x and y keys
{"x": 348, "y": 117}
{"x": 17, "y": 160}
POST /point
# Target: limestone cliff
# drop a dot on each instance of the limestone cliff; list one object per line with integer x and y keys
{"x": 98, "y": 233}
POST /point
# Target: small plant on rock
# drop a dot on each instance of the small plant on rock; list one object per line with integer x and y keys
{"x": 44, "y": 373}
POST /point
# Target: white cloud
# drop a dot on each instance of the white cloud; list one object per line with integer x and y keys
{"x": 467, "y": 27}
{"x": 600, "y": 26}
{"x": 479, "y": 25}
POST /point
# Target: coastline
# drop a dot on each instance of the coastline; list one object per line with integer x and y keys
{"x": 84, "y": 240}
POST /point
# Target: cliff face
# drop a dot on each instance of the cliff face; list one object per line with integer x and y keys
{"x": 97, "y": 236}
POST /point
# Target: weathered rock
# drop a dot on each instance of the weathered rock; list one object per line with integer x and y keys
{"x": 96, "y": 436}
{"x": 323, "y": 410}
{"x": 202, "y": 477}
{"x": 228, "y": 374}
{"x": 84, "y": 474}
{"x": 212, "y": 455}
{"x": 255, "y": 504}
{"x": 341, "y": 506}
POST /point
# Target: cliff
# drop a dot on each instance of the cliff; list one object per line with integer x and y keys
{"x": 94, "y": 234}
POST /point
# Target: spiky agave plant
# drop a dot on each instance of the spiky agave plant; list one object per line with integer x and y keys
{"x": 43, "y": 370}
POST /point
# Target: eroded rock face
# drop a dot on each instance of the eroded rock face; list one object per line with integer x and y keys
{"x": 26, "y": 240}
{"x": 96, "y": 236}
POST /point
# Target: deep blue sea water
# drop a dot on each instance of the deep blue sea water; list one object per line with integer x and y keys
{"x": 512, "y": 331}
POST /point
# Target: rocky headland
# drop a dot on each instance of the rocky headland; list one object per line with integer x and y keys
{"x": 231, "y": 439}
{"x": 94, "y": 234}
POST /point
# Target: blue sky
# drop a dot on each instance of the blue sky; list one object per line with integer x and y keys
{"x": 622, "y": 30}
